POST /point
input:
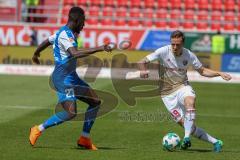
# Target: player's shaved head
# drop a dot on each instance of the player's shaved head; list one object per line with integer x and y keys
{"x": 76, "y": 18}
{"x": 76, "y": 13}
{"x": 178, "y": 34}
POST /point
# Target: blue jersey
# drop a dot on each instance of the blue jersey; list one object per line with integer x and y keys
{"x": 64, "y": 77}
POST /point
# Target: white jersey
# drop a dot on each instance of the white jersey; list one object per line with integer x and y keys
{"x": 61, "y": 41}
{"x": 173, "y": 69}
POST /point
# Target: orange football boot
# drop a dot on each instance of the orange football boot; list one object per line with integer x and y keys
{"x": 34, "y": 134}
{"x": 86, "y": 143}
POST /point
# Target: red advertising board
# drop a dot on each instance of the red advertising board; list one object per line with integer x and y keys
{"x": 92, "y": 37}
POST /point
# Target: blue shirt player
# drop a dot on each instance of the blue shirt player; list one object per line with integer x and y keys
{"x": 65, "y": 80}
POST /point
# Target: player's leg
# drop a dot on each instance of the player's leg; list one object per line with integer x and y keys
{"x": 188, "y": 121}
{"x": 203, "y": 135}
{"x": 88, "y": 95}
{"x": 186, "y": 99}
{"x": 69, "y": 112}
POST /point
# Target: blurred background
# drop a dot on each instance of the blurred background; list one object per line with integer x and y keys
{"x": 211, "y": 28}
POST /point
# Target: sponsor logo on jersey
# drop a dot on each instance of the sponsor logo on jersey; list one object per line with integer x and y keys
{"x": 185, "y": 62}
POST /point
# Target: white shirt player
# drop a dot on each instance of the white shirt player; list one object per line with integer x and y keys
{"x": 173, "y": 69}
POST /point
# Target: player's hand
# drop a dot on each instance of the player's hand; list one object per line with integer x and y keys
{"x": 109, "y": 47}
{"x": 144, "y": 74}
{"x": 225, "y": 76}
{"x": 35, "y": 58}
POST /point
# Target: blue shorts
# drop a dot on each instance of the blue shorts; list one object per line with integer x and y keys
{"x": 71, "y": 88}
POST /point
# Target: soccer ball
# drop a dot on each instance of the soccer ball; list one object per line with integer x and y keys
{"x": 171, "y": 141}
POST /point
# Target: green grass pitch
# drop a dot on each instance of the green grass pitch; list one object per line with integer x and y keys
{"x": 26, "y": 100}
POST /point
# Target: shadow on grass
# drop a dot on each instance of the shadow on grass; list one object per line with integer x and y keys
{"x": 74, "y": 148}
{"x": 194, "y": 150}
{"x": 102, "y": 148}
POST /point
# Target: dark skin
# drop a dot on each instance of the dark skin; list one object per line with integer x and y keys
{"x": 76, "y": 27}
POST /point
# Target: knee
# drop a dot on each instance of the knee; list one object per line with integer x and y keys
{"x": 95, "y": 102}
{"x": 190, "y": 114}
{"x": 189, "y": 103}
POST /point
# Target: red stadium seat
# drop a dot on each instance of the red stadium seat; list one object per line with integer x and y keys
{"x": 107, "y": 22}
{"x": 202, "y": 25}
{"x": 108, "y": 2}
{"x": 94, "y": 11}
{"x": 92, "y": 21}
{"x": 189, "y": 4}
{"x": 108, "y": 11}
{"x": 229, "y": 26}
{"x": 148, "y": 13}
{"x": 216, "y": 15}
{"x": 161, "y": 24}
{"x": 95, "y": 2}
{"x": 174, "y": 24}
{"x": 134, "y": 23}
{"x": 202, "y": 15}
{"x": 229, "y": 5}
{"x": 147, "y": 23}
{"x": 162, "y": 3}
{"x": 120, "y": 22}
{"x": 216, "y": 5}
{"x": 122, "y": 3}
{"x": 69, "y": 2}
{"x": 66, "y": 10}
{"x": 121, "y": 12}
{"x": 238, "y": 27}
{"x": 175, "y": 14}
{"x": 229, "y": 16}
{"x": 189, "y": 14}
{"x": 149, "y": 3}
{"x": 202, "y": 4}
{"x": 175, "y": 4}
{"x": 216, "y": 26}
{"x": 162, "y": 13}
{"x": 188, "y": 25}
{"x": 81, "y": 2}
{"x": 135, "y": 12}
{"x": 135, "y": 3}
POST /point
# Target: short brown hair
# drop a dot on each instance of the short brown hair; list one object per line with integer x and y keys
{"x": 177, "y": 34}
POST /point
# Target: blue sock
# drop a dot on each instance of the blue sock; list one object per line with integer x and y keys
{"x": 56, "y": 119}
{"x": 90, "y": 117}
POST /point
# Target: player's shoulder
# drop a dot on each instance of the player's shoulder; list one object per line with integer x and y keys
{"x": 187, "y": 52}
{"x": 65, "y": 32}
{"x": 164, "y": 49}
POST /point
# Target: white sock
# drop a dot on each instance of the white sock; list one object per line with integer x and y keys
{"x": 201, "y": 134}
{"x": 189, "y": 122}
{"x": 41, "y": 128}
{"x": 84, "y": 134}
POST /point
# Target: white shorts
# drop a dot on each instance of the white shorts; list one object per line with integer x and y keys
{"x": 174, "y": 102}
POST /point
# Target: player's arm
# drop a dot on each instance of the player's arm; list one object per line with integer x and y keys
{"x": 197, "y": 65}
{"x": 142, "y": 64}
{"x": 86, "y": 52}
{"x": 41, "y": 47}
{"x": 211, "y": 73}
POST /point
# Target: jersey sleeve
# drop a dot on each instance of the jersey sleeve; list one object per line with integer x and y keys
{"x": 195, "y": 61}
{"x": 155, "y": 55}
{"x": 52, "y": 38}
{"x": 67, "y": 40}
